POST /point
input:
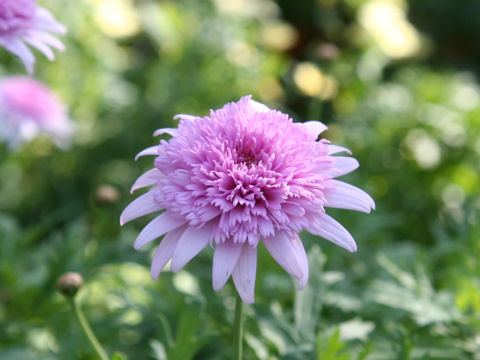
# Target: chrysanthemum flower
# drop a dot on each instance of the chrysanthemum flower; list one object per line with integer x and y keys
{"x": 243, "y": 175}
{"x": 27, "y": 109}
{"x": 22, "y": 21}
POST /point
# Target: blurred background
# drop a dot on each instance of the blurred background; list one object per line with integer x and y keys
{"x": 396, "y": 81}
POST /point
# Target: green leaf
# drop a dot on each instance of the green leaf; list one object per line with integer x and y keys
{"x": 332, "y": 348}
{"x": 308, "y": 302}
{"x": 158, "y": 350}
{"x": 118, "y": 356}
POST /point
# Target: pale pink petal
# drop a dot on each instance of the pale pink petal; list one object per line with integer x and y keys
{"x": 184, "y": 117}
{"x": 156, "y": 228}
{"x": 41, "y": 46}
{"x": 245, "y": 272}
{"x": 335, "y": 149}
{"x": 328, "y": 228}
{"x": 45, "y": 21}
{"x": 346, "y": 196}
{"x": 152, "y": 150}
{"x": 301, "y": 255}
{"x": 190, "y": 244}
{"x": 48, "y": 39}
{"x": 280, "y": 247}
{"x": 173, "y": 132}
{"x": 224, "y": 261}
{"x": 343, "y": 165}
{"x": 17, "y": 47}
{"x": 146, "y": 179}
{"x": 165, "y": 251}
{"x": 259, "y": 107}
{"x": 315, "y": 127}
{"x": 143, "y": 205}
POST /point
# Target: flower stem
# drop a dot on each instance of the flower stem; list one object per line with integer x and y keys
{"x": 88, "y": 330}
{"x": 238, "y": 329}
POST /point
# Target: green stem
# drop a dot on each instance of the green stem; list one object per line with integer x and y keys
{"x": 88, "y": 330}
{"x": 238, "y": 329}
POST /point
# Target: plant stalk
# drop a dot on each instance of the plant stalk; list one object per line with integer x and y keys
{"x": 88, "y": 330}
{"x": 238, "y": 329}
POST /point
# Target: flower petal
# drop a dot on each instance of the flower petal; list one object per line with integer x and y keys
{"x": 156, "y": 228}
{"x": 258, "y": 106}
{"x": 343, "y": 165}
{"x": 224, "y": 260}
{"x": 49, "y": 40}
{"x": 152, "y": 150}
{"x": 165, "y": 251}
{"x": 146, "y": 179}
{"x": 41, "y": 46}
{"x": 280, "y": 247}
{"x": 328, "y": 228}
{"x": 334, "y": 149}
{"x": 44, "y": 20}
{"x": 184, "y": 117}
{"x": 346, "y": 196}
{"x": 169, "y": 131}
{"x": 315, "y": 127}
{"x": 143, "y": 205}
{"x": 17, "y": 47}
{"x": 245, "y": 272}
{"x": 190, "y": 244}
{"x": 301, "y": 255}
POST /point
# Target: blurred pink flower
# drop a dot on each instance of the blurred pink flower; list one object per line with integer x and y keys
{"x": 27, "y": 109}
{"x": 243, "y": 175}
{"x": 22, "y": 21}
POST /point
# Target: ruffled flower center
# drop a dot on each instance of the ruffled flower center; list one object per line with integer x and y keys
{"x": 31, "y": 99}
{"x": 16, "y": 15}
{"x": 255, "y": 173}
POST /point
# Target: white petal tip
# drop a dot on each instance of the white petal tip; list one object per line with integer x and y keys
{"x": 301, "y": 284}
{"x": 174, "y": 267}
{"x": 315, "y": 127}
{"x": 246, "y": 300}
{"x": 184, "y": 117}
{"x": 155, "y": 273}
{"x": 258, "y": 106}
{"x": 152, "y": 150}
{"x": 217, "y": 286}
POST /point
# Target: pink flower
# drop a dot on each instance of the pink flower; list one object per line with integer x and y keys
{"x": 27, "y": 109}
{"x": 243, "y": 175}
{"x": 22, "y": 21}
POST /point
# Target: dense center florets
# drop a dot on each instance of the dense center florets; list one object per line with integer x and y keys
{"x": 30, "y": 98}
{"x": 255, "y": 172}
{"x": 16, "y": 15}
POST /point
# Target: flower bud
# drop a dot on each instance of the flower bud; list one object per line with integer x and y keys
{"x": 107, "y": 194}
{"x": 69, "y": 283}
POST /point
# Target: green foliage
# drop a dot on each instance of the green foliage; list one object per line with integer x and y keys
{"x": 408, "y": 107}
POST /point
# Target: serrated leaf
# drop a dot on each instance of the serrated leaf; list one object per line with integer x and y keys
{"x": 332, "y": 348}
{"x": 355, "y": 329}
